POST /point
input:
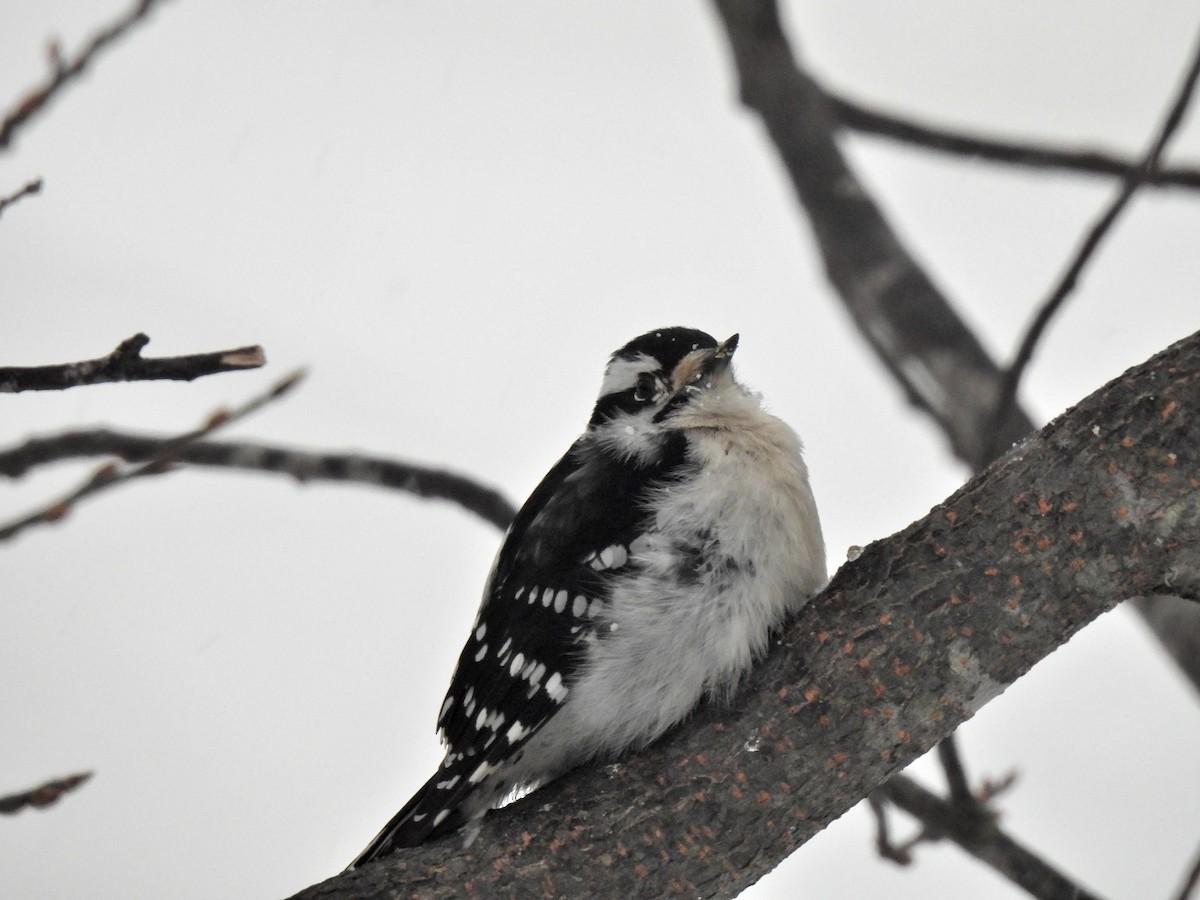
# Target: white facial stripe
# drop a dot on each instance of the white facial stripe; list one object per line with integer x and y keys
{"x": 622, "y": 374}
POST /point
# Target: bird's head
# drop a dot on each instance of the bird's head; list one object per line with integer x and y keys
{"x": 652, "y": 382}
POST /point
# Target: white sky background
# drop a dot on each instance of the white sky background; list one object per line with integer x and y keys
{"x": 451, "y": 214}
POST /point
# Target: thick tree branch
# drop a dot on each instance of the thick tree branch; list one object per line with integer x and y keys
{"x": 866, "y": 120}
{"x": 111, "y": 475}
{"x": 64, "y": 71}
{"x": 303, "y": 465}
{"x": 909, "y": 640}
{"x": 32, "y": 187}
{"x": 43, "y": 795}
{"x": 126, "y": 363}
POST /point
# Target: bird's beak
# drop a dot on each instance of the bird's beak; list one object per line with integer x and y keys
{"x": 721, "y": 357}
{"x": 726, "y": 348}
{"x": 701, "y": 365}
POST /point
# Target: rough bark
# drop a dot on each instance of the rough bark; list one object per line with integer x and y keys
{"x": 909, "y": 640}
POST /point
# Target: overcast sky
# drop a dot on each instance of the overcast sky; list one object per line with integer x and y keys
{"x": 450, "y": 214}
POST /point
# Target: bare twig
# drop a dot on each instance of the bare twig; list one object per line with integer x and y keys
{"x": 978, "y": 834}
{"x": 1006, "y": 397}
{"x": 303, "y": 465}
{"x": 956, "y": 775}
{"x": 64, "y": 71}
{"x": 127, "y": 364}
{"x": 1190, "y": 881}
{"x": 1028, "y": 154}
{"x": 42, "y": 795}
{"x": 900, "y": 854}
{"x": 109, "y": 476}
{"x": 33, "y": 187}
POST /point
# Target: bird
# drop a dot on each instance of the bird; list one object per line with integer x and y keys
{"x": 647, "y": 571}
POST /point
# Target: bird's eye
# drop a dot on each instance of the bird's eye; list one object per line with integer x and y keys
{"x": 646, "y": 388}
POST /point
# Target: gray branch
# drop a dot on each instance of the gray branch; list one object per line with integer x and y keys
{"x": 911, "y": 325}
{"x": 65, "y": 71}
{"x": 909, "y": 640}
{"x": 976, "y": 832}
{"x": 1027, "y": 154}
{"x": 302, "y": 465}
{"x": 126, "y": 363}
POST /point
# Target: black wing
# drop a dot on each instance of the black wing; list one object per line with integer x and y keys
{"x": 522, "y": 656}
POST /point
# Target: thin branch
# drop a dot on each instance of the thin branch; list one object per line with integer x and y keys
{"x": 303, "y": 465}
{"x": 900, "y": 854}
{"x": 64, "y": 71}
{"x": 1149, "y": 163}
{"x": 978, "y": 834}
{"x": 956, "y": 774}
{"x": 111, "y": 475}
{"x": 127, "y": 364}
{"x": 42, "y": 795}
{"x": 1031, "y": 155}
{"x": 33, "y": 187}
{"x": 1190, "y": 881}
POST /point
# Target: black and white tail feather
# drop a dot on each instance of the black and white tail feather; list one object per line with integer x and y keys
{"x": 647, "y": 570}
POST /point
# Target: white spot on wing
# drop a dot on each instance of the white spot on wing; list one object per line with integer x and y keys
{"x": 480, "y": 632}
{"x": 547, "y": 597}
{"x": 579, "y": 607}
{"x": 481, "y": 652}
{"x": 556, "y": 689}
{"x": 518, "y": 661}
{"x": 478, "y": 775}
{"x": 516, "y": 731}
{"x": 611, "y": 557}
{"x": 560, "y": 601}
{"x": 440, "y": 817}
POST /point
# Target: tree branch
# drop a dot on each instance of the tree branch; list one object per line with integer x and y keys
{"x": 110, "y": 476}
{"x": 976, "y": 832}
{"x": 909, "y": 639}
{"x": 303, "y": 465}
{"x": 42, "y": 795}
{"x": 32, "y": 187}
{"x": 1190, "y": 880}
{"x": 912, "y": 327}
{"x": 127, "y": 364}
{"x": 874, "y": 122}
{"x": 65, "y": 71}
{"x": 1148, "y": 164}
